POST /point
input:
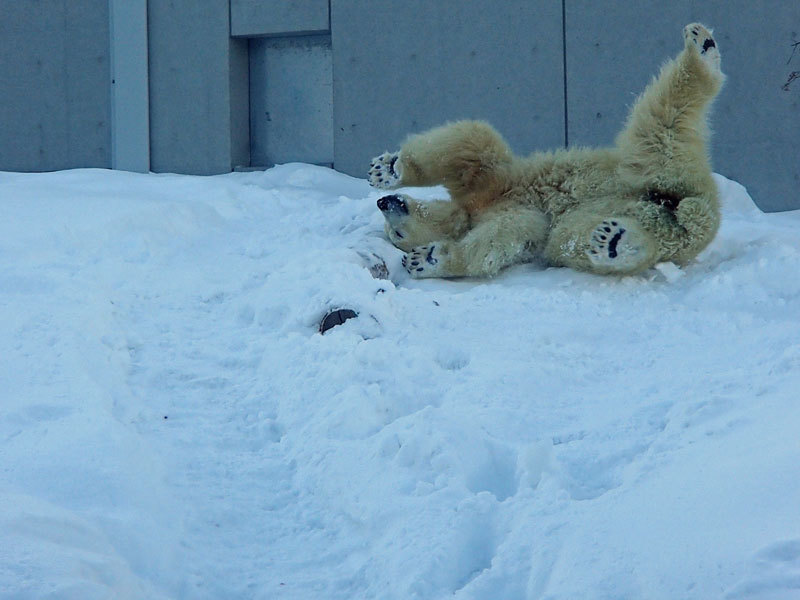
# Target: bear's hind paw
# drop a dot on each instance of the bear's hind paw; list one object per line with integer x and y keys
{"x": 612, "y": 245}
{"x": 699, "y": 37}
{"x": 384, "y": 171}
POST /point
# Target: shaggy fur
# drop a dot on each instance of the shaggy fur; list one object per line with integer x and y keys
{"x": 620, "y": 210}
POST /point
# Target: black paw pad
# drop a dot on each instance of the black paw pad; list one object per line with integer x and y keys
{"x": 429, "y": 258}
{"x": 392, "y": 163}
{"x": 612, "y": 245}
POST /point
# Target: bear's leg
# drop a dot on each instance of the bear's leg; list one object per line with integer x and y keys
{"x": 411, "y": 223}
{"x": 504, "y": 236}
{"x": 663, "y": 149}
{"x": 463, "y": 156}
{"x": 663, "y": 146}
{"x": 586, "y": 241}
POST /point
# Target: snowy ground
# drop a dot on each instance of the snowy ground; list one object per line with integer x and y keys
{"x": 172, "y": 425}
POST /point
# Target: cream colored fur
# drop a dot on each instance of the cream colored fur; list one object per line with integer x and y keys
{"x": 620, "y": 210}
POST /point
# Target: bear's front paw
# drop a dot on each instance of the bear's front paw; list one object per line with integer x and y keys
{"x": 425, "y": 261}
{"x": 385, "y": 171}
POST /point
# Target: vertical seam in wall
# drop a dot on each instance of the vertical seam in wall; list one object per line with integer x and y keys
{"x": 112, "y": 96}
{"x": 564, "y": 54}
{"x": 66, "y": 80}
{"x": 333, "y": 86}
{"x": 150, "y": 95}
{"x": 249, "y": 104}
{"x": 231, "y": 107}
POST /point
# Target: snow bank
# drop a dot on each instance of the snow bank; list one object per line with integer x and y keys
{"x": 173, "y": 425}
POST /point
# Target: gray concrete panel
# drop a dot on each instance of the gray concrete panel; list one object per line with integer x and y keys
{"x": 195, "y": 93}
{"x": 403, "y": 67}
{"x": 291, "y": 100}
{"x": 252, "y": 18}
{"x": 54, "y": 99}
{"x": 239, "y": 79}
{"x": 130, "y": 110}
{"x": 614, "y": 48}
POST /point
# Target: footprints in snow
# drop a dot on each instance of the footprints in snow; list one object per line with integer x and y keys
{"x": 591, "y": 464}
{"x": 774, "y": 572}
{"x": 434, "y": 455}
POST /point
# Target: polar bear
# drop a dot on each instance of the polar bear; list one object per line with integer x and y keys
{"x": 619, "y": 210}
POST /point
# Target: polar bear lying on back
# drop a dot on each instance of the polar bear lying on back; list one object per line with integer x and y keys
{"x": 620, "y": 210}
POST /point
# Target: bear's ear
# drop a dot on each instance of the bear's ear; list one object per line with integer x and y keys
{"x": 668, "y": 200}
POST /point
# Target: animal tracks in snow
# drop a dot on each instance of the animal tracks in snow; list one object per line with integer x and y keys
{"x": 773, "y": 573}
{"x": 437, "y": 456}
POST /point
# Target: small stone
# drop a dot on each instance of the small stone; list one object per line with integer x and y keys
{"x": 336, "y": 317}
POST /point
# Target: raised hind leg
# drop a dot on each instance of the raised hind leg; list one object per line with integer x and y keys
{"x": 664, "y": 153}
{"x": 664, "y": 144}
{"x": 463, "y": 156}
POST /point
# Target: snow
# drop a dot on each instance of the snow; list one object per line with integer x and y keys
{"x": 173, "y": 425}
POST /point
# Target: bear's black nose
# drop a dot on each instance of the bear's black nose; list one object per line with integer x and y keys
{"x": 393, "y": 203}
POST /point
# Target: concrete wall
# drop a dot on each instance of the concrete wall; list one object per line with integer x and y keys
{"x": 614, "y": 49}
{"x": 402, "y": 71}
{"x": 54, "y": 85}
{"x": 199, "y": 121}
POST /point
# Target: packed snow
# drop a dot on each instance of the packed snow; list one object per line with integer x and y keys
{"x": 173, "y": 424}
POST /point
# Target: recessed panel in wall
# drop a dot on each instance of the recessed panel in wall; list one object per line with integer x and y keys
{"x": 291, "y": 100}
